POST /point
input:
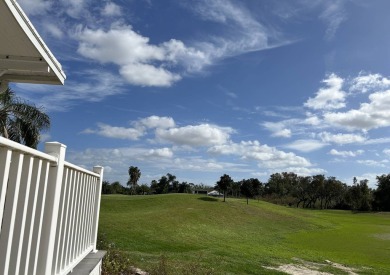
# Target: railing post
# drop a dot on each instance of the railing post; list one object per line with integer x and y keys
{"x": 97, "y": 170}
{"x": 49, "y": 225}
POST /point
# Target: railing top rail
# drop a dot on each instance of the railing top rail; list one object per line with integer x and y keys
{"x": 78, "y": 168}
{"x": 4, "y": 142}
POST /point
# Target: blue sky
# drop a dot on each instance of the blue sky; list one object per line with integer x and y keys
{"x": 202, "y": 88}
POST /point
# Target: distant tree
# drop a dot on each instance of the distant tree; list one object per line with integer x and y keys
{"x": 281, "y": 184}
{"x": 223, "y": 184}
{"x": 162, "y": 185}
{"x": 235, "y": 189}
{"x": 249, "y": 187}
{"x": 20, "y": 121}
{"x": 134, "y": 174}
{"x": 359, "y": 196}
{"x": 184, "y": 187}
{"x": 154, "y": 187}
{"x": 143, "y": 189}
{"x": 333, "y": 192}
{"x": 117, "y": 188}
{"x": 382, "y": 193}
{"x": 106, "y": 187}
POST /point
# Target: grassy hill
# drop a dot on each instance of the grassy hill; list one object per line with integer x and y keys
{"x": 191, "y": 231}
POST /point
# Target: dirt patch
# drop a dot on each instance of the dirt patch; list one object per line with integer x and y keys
{"x": 385, "y": 236}
{"x": 295, "y": 269}
{"x": 311, "y": 268}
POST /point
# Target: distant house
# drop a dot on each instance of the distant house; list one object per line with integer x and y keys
{"x": 199, "y": 192}
{"x": 214, "y": 193}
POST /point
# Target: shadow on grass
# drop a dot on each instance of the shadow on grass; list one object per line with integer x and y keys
{"x": 207, "y": 199}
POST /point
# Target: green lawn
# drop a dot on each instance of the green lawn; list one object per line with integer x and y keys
{"x": 235, "y": 238}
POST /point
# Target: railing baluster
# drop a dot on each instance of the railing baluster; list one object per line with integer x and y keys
{"x": 68, "y": 240}
{"x": 32, "y": 206}
{"x": 10, "y": 209}
{"x": 63, "y": 243}
{"x": 5, "y": 158}
{"x": 60, "y": 222}
{"x": 38, "y": 219}
{"x": 20, "y": 221}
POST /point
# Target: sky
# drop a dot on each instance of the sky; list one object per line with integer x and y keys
{"x": 204, "y": 88}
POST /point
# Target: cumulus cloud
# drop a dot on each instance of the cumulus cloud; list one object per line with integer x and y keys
{"x": 116, "y": 132}
{"x": 344, "y": 154}
{"x": 148, "y": 75}
{"x": 35, "y": 7}
{"x": 161, "y": 152}
{"x": 157, "y": 122}
{"x": 195, "y": 135}
{"x": 341, "y": 138}
{"x": 375, "y": 163}
{"x": 369, "y": 82}
{"x": 143, "y": 63}
{"x": 371, "y": 115}
{"x": 140, "y": 62}
{"x": 303, "y": 171}
{"x": 278, "y": 129}
{"x": 111, "y": 9}
{"x": 306, "y": 145}
{"x": 331, "y": 97}
{"x": 268, "y": 157}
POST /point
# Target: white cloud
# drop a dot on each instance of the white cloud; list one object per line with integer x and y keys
{"x": 158, "y": 122}
{"x": 161, "y": 152}
{"x": 369, "y": 82}
{"x": 75, "y": 8}
{"x": 331, "y": 97}
{"x": 303, "y": 171}
{"x": 116, "y": 132}
{"x": 111, "y": 9}
{"x": 333, "y": 15}
{"x": 54, "y": 30}
{"x": 140, "y": 62}
{"x": 268, "y": 157}
{"x": 198, "y": 135}
{"x": 306, "y": 145}
{"x": 278, "y": 129}
{"x": 312, "y": 120}
{"x": 375, "y": 114}
{"x": 95, "y": 86}
{"x": 344, "y": 154}
{"x": 375, "y": 163}
{"x": 35, "y": 7}
{"x": 377, "y": 141}
{"x": 341, "y": 138}
{"x": 148, "y": 75}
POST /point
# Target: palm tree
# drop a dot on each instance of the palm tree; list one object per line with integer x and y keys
{"x": 20, "y": 121}
{"x": 134, "y": 174}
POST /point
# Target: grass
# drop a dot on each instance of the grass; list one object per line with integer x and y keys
{"x": 235, "y": 238}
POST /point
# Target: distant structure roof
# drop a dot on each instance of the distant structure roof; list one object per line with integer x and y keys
{"x": 24, "y": 57}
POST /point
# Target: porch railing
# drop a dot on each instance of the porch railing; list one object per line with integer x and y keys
{"x": 49, "y": 210}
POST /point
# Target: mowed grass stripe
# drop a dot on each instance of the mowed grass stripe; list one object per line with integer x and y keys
{"x": 235, "y": 238}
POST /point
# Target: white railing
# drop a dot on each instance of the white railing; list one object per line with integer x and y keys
{"x": 49, "y": 210}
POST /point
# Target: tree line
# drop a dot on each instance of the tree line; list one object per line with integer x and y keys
{"x": 315, "y": 191}
{"x": 166, "y": 184}
{"x": 286, "y": 188}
